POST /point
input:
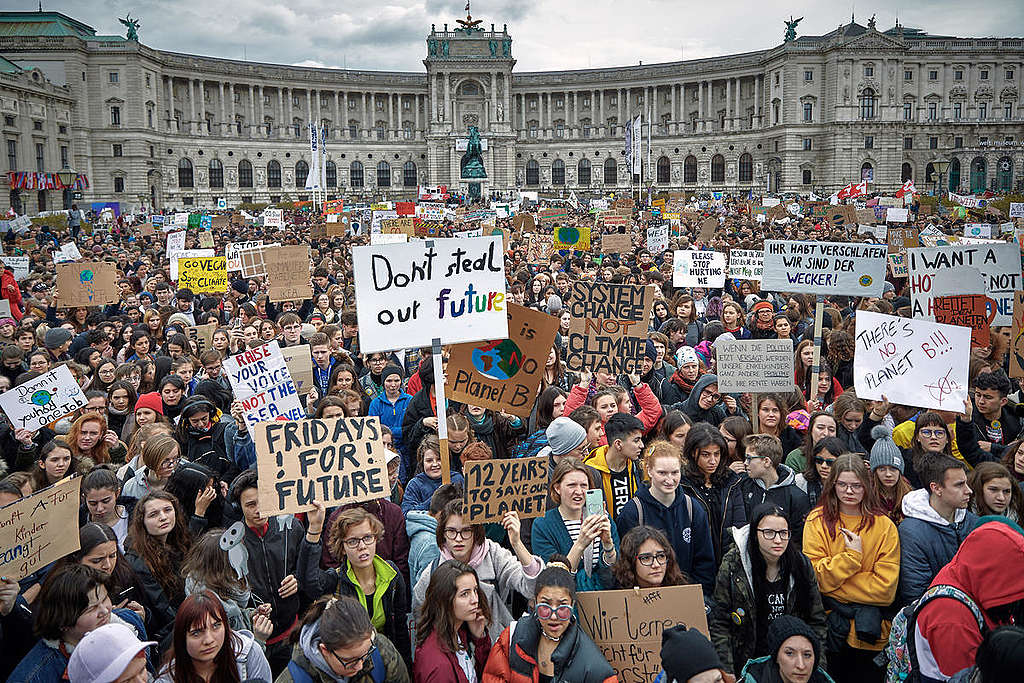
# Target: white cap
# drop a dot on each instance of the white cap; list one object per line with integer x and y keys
{"x": 104, "y": 653}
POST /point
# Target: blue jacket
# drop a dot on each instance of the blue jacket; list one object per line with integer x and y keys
{"x": 391, "y": 415}
{"x": 927, "y": 543}
{"x": 549, "y": 536}
{"x": 690, "y": 538}
{"x": 421, "y": 528}
{"x": 531, "y": 445}
{"x": 421, "y": 488}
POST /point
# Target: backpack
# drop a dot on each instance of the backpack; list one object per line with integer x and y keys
{"x": 900, "y": 655}
{"x": 640, "y": 509}
{"x": 379, "y": 673}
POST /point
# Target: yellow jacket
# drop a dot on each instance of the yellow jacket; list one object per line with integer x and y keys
{"x": 868, "y": 577}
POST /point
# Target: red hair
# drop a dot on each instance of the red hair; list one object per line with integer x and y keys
{"x": 194, "y": 612}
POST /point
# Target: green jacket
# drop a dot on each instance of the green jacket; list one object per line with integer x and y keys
{"x": 396, "y": 671}
{"x": 760, "y": 671}
{"x": 736, "y": 643}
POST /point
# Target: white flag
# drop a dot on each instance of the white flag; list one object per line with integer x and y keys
{"x": 638, "y": 158}
{"x": 313, "y": 176}
{"x": 323, "y": 157}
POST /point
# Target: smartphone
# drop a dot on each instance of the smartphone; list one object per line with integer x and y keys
{"x": 126, "y": 594}
{"x": 594, "y": 504}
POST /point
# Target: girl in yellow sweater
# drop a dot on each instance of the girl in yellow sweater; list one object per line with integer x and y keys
{"x": 855, "y": 550}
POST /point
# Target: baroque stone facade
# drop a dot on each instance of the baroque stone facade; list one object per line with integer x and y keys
{"x": 814, "y": 113}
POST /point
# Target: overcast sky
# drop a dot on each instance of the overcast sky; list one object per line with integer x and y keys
{"x": 570, "y": 34}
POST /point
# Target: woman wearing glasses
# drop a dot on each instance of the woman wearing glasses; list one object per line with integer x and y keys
{"x": 646, "y": 560}
{"x": 337, "y": 642}
{"x": 931, "y": 437}
{"x": 855, "y": 551}
{"x": 372, "y": 581}
{"x": 548, "y": 643}
{"x": 764, "y": 575}
{"x": 823, "y": 453}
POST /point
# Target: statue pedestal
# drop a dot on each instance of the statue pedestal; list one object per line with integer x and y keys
{"x": 474, "y": 191}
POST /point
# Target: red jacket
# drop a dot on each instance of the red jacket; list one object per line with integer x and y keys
{"x": 10, "y": 290}
{"x": 990, "y": 568}
{"x": 432, "y": 663}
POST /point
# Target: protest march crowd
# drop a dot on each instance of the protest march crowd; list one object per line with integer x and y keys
{"x": 723, "y": 439}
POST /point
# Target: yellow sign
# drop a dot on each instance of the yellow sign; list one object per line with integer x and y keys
{"x": 207, "y": 274}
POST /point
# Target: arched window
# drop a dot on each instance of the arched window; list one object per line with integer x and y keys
{"x": 216, "y": 173}
{"x": 409, "y": 174}
{"x": 273, "y": 173}
{"x": 690, "y": 169}
{"x": 355, "y": 174}
{"x": 301, "y": 171}
{"x": 929, "y": 173}
{"x": 185, "y": 173}
{"x": 664, "y": 170}
{"x": 583, "y": 172}
{"x": 979, "y": 174}
{"x": 954, "y": 175}
{"x": 718, "y": 169}
{"x": 1005, "y": 174}
{"x": 331, "y": 171}
{"x": 867, "y": 103}
{"x": 611, "y": 171}
{"x": 244, "y": 173}
{"x": 383, "y": 174}
{"x": 867, "y": 172}
{"x": 906, "y": 172}
{"x": 532, "y": 172}
{"x": 746, "y": 168}
{"x": 558, "y": 172}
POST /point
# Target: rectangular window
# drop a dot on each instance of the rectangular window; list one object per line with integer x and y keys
{"x": 807, "y": 144}
{"x": 869, "y": 142}
{"x": 983, "y": 139}
{"x": 807, "y": 176}
{"x": 37, "y": 125}
{"x": 933, "y": 142}
{"x": 808, "y": 74}
{"x": 266, "y": 100}
{"x": 118, "y": 184}
{"x": 908, "y": 143}
{"x": 958, "y": 110}
{"x": 406, "y": 105}
{"x": 113, "y": 77}
{"x": 958, "y": 142}
{"x": 8, "y": 120}
{"x": 40, "y": 157}
{"x": 560, "y": 103}
{"x": 958, "y": 75}
{"x": 118, "y": 150}
{"x": 115, "y": 116}
{"x": 149, "y": 118}
{"x": 614, "y": 101}
{"x": 586, "y": 129}
{"x": 12, "y": 155}
{"x": 933, "y": 75}
{"x": 1008, "y": 111}
{"x": 586, "y": 101}
{"x": 64, "y": 156}
{"x": 869, "y": 71}
{"x": 908, "y": 75}
{"x": 148, "y": 80}
{"x": 982, "y": 111}
{"x": 777, "y": 81}
{"x": 190, "y": 200}
{"x": 353, "y": 131}
{"x": 933, "y": 111}
{"x": 908, "y": 111}
{"x": 63, "y": 130}
{"x": 983, "y": 75}
{"x": 808, "y": 112}
{"x": 295, "y": 100}
{"x": 1009, "y": 74}
{"x": 152, "y": 152}
{"x": 533, "y": 104}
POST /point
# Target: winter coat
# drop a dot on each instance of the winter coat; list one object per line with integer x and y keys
{"x": 646, "y": 404}
{"x": 766, "y": 670}
{"x": 499, "y": 572}
{"x": 275, "y": 552}
{"x": 734, "y": 595}
{"x": 10, "y": 290}
{"x": 309, "y": 666}
{"x": 691, "y": 406}
{"x": 785, "y": 493}
{"x": 214, "y": 449}
{"x": 420, "y": 490}
{"x": 549, "y": 536}
{"x": 634, "y": 476}
{"x": 391, "y": 415}
{"x": 927, "y": 543}
{"x": 393, "y": 546}
{"x": 576, "y": 659}
{"x": 1009, "y": 421}
{"x": 988, "y": 568}
{"x": 434, "y": 663}
{"x": 413, "y": 429}
{"x": 813, "y": 489}
{"x": 690, "y": 538}
{"x": 160, "y": 607}
{"x": 499, "y": 433}
{"x": 252, "y": 663}
{"x": 723, "y": 504}
{"x": 421, "y": 528}
{"x": 531, "y": 445}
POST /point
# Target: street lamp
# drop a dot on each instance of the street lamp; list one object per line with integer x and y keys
{"x": 941, "y": 166}
{"x": 67, "y": 178}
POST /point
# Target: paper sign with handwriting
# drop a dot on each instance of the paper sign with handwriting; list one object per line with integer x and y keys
{"x": 409, "y": 294}
{"x": 608, "y": 328}
{"x": 39, "y": 529}
{"x": 998, "y": 263}
{"x": 691, "y": 268}
{"x": 833, "y": 268}
{"x": 260, "y": 379}
{"x": 746, "y": 264}
{"x": 205, "y": 274}
{"x": 913, "y": 362}
{"x": 494, "y": 487}
{"x": 755, "y": 365}
{"x": 288, "y": 272}
{"x": 42, "y": 400}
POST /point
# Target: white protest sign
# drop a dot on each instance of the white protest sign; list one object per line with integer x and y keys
{"x": 770, "y": 201}
{"x": 746, "y": 264}
{"x": 824, "y": 268}
{"x": 657, "y": 239}
{"x": 68, "y": 252}
{"x": 5, "y": 308}
{"x": 185, "y": 253}
{"x": 21, "y": 223}
{"x": 175, "y": 241}
{"x": 998, "y": 262}
{"x": 260, "y": 380}
{"x": 755, "y": 365}
{"x": 464, "y": 234}
{"x": 1016, "y": 209}
{"x": 692, "y": 268}
{"x": 1006, "y": 228}
{"x": 18, "y": 264}
{"x": 895, "y": 215}
{"x": 430, "y": 212}
{"x": 377, "y": 217}
{"x": 387, "y": 237}
{"x": 913, "y": 362}
{"x": 43, "y": 400}
{"x": 410, "y": 294}
{"x": 983, "y": 230}
{"x": 878, "y": 231}
{"x": 273, "y": 218}
{"x": 232, "y": 252}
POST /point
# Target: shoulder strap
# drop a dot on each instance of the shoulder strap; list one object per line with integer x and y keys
{"x": 639, "y": 511}
{"x": 937, "y": 591}
{"x": 380, "y": 671}
{"x": 689, "y": 507}
{"x": 298, "y": 674}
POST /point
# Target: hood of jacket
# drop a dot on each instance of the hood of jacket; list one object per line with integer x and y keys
{"x": 979, "y": 567}
{"x": 915, "y": 504}
{"x": 417, "y": 521}
{"x": 786, "y": 477}
{"x": 691, "y": 406}
{"x": 740, "y": 536}
{"x": 309, "y": 641}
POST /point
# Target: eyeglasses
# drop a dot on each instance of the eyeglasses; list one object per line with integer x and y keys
{"x": 772, "y": 534}
{"x": 453, "y": 534}
{"x": 713, "y": 396}
{"x": 856, "y": 487}
{"x": 354, "y": 543}
{"x": 349, "y": 663}
{"x": 751, "y": 458}
{"x": 932, "y": 433}
{"x": 824, "y": 461}
{"x": 649, "y": 559}
{"x": 546, "y": 611}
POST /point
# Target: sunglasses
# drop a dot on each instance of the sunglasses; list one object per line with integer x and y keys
{"x": 561, "y": 613}
{"x": 824, "y": 461}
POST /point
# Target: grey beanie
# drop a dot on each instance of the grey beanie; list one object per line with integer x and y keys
{"x": 57, "y": 336}
{"x": 554, "y": 305}
{"x": 564, "y": 435}
{"x": 885, "y": 452}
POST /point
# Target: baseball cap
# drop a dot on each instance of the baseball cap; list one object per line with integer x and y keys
{"x": 104, "y": 653}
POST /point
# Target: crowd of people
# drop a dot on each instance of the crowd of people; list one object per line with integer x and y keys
{"x": 835, "y": 521}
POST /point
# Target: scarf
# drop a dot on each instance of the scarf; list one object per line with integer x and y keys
{"x": 683, "y": 383}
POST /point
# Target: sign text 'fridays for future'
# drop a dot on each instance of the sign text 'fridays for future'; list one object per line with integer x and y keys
{"x": 260, "y": 379}
{"x": 409, "y": 294}
{"x": 824, "y": 268}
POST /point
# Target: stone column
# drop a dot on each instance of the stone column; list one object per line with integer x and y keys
{"x": 449, "y": 115}
{"x": 758, "y": 117}
{"x": 416, "y": 113}
{"x": 282, "y": 123}
{"x": 223, "y": 109}
{"x": 674, "y": 116}
{"x": 728, "y": 104}
{"x": 599, "y": 109}
{"x": 737, "y": 120}
{"x": 494, "y": 96}
{"x": 309, "y": 105}
{"x": 191, "y": 107}
{"x": 169, "y": 83}
{"x": 700, "y": 106}
{"x": 252, "y": 111}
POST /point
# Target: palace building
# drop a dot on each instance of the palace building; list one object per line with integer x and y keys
{"x": 142, "y": 126}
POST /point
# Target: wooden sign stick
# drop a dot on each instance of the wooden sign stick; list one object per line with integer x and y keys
{"x": 442, "y": 410}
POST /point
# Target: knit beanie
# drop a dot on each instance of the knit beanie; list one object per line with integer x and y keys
{"x": 390, "y": 370}
{"x": 240, "y": 286}
{"x": 151, "y": 401}
{"x": 763, "y": 306}
{"x": 686, "y": 653}
{"x": 554, "y": 305}
{"x": 686, "y": 355}
{"x": 885, "y": 452}
{"x": 650, "y": 351}
{"x": 57, "y": 336}
{"x": 784, "y": 627}
{"x": 564, "y": 435}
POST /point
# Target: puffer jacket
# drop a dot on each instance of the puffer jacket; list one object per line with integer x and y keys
{"x": 309, "y": 666}
{"x": 724, "y": 505}
{"x": 734, "y": 597}
{"x": 765, "y": 670}
{"x": 576, "y": 658}
{"x": 421, "y": 528}
{"x": 785, "y": 493}
{"x": 927, "y": 543}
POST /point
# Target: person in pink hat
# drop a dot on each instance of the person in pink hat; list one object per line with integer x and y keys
{"x": 109, "y": 654}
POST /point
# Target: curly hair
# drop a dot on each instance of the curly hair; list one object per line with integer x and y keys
{"x": 624, "y": 569}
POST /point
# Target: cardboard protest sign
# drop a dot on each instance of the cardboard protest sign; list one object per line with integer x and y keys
{"x": 39, "y": 528}
{"x": 260, "y": 379}
{"x": 202, "y": 335}
{"x": 68, "y": 252}
{"x": 1017, "y": 336}
{"x": 552, "y": 216}
{"x": 407, "y": 295}
{"x": 627, "y": 624}
{"x": 998, "y": 262}
{"x": 657, "y": 238}
{"x": 398, "y": 225}
{"x": 205, "y": 238}
{"x": 300, "y": 366}
{"x": 707, "y": 229}
{"x": 495, "y": 487}
{"x": 898, "y": 264}
{"x": 42, "y": 400}
{"x": 18, "y": 264}
{"x": 865, "y": 216}
{"x": 233, "y": 249}
{"x": 913, "y": 362}
{"x": 334, "y": 462}
{"x": 503, "y": 374}
{"x": 901, "y": 239}
{"x": 840, "y": 215}
{"x": 616, "y": 243}
{"x": 746, "y": 264}
{"x": 90, "y": 283}
{"x": 575, "y": 237}
{"x": 523, "y": 222}
{"x": 288, "y": 273}
{"x": 204, "y": 274}
{"x": 967, "y": 310}
{"x": 608, "y": 330}
{"x": 755, "y": 365}
{"x": 539, "y": 247}
{"x": 251, "y": 261}
{"x": 834, "y": 268}
{"x": 691, "y": 268}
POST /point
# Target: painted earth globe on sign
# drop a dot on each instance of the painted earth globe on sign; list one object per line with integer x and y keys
{"x": 42, "y": 397}
{"x": 499, "y": 359}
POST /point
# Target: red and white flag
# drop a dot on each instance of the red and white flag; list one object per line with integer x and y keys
{"x": 908, "y": 188}
{"x": 853, "y": 190}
